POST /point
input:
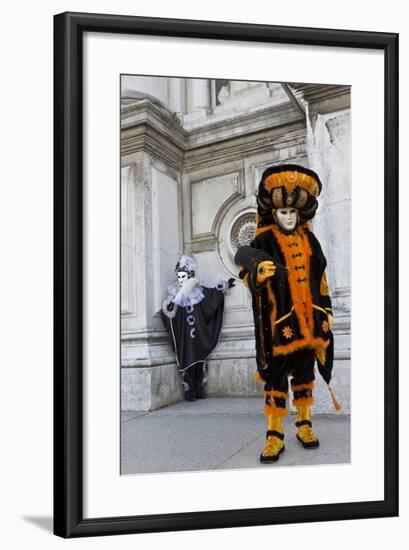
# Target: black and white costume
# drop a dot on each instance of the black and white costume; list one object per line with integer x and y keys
{"x": 193, "y": 316}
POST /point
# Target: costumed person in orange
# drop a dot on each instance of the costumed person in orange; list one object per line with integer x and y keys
{"x": 284, "y": 268}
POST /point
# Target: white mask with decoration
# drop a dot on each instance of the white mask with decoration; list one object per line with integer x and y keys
{"x": 182, "y": 277}
{"x": 287, "y": 218}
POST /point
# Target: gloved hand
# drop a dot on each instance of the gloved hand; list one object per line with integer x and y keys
{"x": 330, "y": 320}
{"x": 264, "y": 271}
{"x": 231, "y": 282}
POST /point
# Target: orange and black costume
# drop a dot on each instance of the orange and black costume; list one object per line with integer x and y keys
{"x": 292, "y": 309}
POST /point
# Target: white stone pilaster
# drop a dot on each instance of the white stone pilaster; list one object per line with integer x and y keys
{"x": 328, "y": 149}
{"x": 175, "y": 95}
{"x": 200, "y": 94}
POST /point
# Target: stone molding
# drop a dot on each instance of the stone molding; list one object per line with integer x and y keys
{"x": 149, "y": 126}
{"x": 237, "y": 193}
{"x": 324, "y": 99}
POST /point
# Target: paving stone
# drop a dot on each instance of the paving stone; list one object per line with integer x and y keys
{"x": 221, "y": 433}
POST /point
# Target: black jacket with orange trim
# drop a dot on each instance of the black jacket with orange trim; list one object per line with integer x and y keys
{"x": 285, "y": 320}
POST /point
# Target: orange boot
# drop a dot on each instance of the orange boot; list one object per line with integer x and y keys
{"x": 274, "y": 410}
{"x": 274, "y": 444}
{"x": 302, "y": 400}
{"x": 305, "y": 435}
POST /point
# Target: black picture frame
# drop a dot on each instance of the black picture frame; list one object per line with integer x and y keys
{"x": 68, "y": 274}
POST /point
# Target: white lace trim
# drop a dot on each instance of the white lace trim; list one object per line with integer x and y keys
{"x": 195, "y": 296}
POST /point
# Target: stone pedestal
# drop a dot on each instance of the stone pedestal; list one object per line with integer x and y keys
{"x": 149, "y": 388}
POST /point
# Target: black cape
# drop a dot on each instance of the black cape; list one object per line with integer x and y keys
{"x": 194, "y": 330}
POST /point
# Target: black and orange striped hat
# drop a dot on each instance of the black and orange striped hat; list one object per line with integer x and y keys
{"x": 288, "y": 185}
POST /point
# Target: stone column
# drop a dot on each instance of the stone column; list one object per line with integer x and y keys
{"x": 200, "y": 94}
{"x": 151, "y": 244}
{"x": 175, "y": 95}
{"x": 328, "y": 149}
{"x": 197, "y": 102}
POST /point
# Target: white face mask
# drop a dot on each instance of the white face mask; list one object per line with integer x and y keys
{"x": 182, "y": 277}
{"x": 287, "y": 218}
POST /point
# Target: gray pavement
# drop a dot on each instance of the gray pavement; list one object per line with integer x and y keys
{"x": 221, "y": 433}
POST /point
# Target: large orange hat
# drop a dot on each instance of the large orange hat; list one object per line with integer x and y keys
{"x": 288, "y": 185}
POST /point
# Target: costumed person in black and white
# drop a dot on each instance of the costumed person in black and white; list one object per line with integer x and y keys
{"x": 284, "y": 268}
{"x": 193, "y": 316}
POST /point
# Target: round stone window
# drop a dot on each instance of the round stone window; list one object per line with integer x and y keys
{"x": 243, "y": 231}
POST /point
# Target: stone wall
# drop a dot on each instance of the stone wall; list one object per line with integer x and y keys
{"x": 192, "y": 155}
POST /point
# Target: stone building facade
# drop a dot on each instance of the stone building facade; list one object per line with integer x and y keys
{"x": 192, "y": 153}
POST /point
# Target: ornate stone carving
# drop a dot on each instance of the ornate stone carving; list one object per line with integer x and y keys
{"x": 243, "y": 230}
{"x": 223, "y": 95}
